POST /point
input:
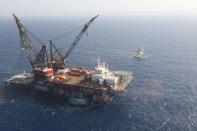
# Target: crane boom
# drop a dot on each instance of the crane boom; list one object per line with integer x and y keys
{"x": 78, "y": 37}
{"x": 53, "y": 47}
{"x": 26, "y": 44}
{"x": 42, "y": 57}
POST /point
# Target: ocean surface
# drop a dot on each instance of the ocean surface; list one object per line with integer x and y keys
{"x": 162, "y": 97}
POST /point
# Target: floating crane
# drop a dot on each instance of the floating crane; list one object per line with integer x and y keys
{"x": 51, "y": 74}
{"x": 42, "y": 58}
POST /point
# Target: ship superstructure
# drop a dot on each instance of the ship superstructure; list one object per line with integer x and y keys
{"x": 103, "y": 76}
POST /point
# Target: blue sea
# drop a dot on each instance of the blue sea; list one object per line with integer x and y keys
{"x": 162, "y": 96}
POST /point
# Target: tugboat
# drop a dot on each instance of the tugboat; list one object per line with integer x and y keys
{"x": 140, "y": 53}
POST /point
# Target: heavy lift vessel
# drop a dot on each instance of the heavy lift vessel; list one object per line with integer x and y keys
{"x": 50, "y": 72}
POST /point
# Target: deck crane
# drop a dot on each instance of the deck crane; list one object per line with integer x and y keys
{"x": 26, "y": 43}
{"x": 63, "y": 58}
{"x": 41, "y": 58}
{"x": 78, "y": 37}
{"x": 34, "y": 57}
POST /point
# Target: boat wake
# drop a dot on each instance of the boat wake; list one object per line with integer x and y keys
{"x": 144, "y": 57}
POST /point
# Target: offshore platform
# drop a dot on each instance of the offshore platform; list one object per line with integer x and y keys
{"x": 51, "y": 73}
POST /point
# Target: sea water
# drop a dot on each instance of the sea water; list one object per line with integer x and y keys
{"x": 163, "y": 95}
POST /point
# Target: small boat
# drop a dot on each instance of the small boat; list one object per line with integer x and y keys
{"x": 21, "y": 79}
{"x": 140, "y": 53}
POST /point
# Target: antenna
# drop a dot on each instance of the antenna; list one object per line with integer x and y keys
{"x": 98, "y": 61}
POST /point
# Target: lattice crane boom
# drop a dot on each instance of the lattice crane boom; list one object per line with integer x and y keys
{"x": 78, "y": 37}
{"x": 26, "y": 43}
